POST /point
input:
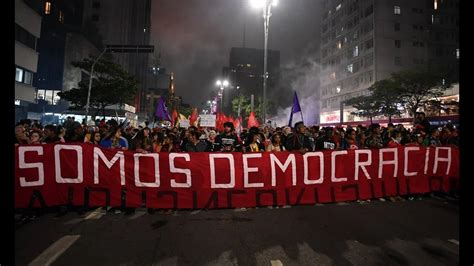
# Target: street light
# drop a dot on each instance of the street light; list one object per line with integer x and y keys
{"x": 222, "y": 84}
{"x": 267, "y": 13}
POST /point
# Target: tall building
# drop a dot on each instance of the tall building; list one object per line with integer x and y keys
{"x": 245, "y": 71}
{"x": 63, "y": 40}
{"x": 124, "y": 22}
{"x": 27, "y": 32}
{"x": 364, "y": 41}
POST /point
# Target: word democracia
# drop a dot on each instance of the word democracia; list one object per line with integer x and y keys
{"x": 88, "y": 164}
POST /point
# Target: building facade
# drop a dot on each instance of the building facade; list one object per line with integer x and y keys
{"x": 245, "y": 73}
{"x": 27, "y": 32}
{"x": 125, "y": 22}
{"x": 364, "y": 41}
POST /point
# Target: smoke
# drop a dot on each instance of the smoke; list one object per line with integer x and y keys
{"x": 302, "y": 77}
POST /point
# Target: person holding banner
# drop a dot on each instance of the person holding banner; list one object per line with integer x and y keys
{"x": 276, "y": 144}
{"x": 255, "y": 145}
{"x": 227, "y": 141}
{"x": 195, "y": 144}
{"x": 298, "y": 141}
{"x": 113, "y": 140}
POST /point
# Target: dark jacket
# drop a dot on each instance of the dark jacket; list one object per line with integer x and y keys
{"x": 295, "y": 142}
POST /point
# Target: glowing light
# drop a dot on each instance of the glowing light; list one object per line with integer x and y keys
{"x": 225, "y": 83}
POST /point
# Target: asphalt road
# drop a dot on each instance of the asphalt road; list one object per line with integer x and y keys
{"x": 424, "y": 232}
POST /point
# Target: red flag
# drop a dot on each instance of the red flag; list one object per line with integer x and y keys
{"x": 193, "y": 118}
{"x": 174, "y": 116}
{"x": 252, "y": 121}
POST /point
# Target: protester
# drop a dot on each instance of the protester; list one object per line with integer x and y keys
{"x": 276, "y": 145}
{"x": 143, "y": 142}
{"x": 255, "y": 144}
{"x": 326, "y": 141}
{"x": 298, "y": 141}
{"x": 374, "y": 141}
{"x": 195, "y": 144}
{"x": 113, "y": 140}
{"x": 35, "y": 137}
{"x": 227, "y": 141}
{"x": 349, "y": 142}
{"x": 20, "y": 135}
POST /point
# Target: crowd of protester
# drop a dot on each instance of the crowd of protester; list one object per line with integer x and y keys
{"x": 148, "y": 139}
{"x": 300, "y": 138}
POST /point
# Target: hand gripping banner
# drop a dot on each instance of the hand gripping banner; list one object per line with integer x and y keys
{"x": 84, "y": 174}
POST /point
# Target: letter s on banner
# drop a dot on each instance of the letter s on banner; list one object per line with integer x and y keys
{"x": 155, "y": 157}
{"x": 57, "y": 164}
{"x": 175, "y": 170}
{"x": 24, "y": 165}
{"x": 230, "y": 158}
{"x": 118, "y": 156}
{"x": 319, "y": 154}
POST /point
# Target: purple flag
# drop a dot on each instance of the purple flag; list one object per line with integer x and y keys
{"x": 161, "y": 111}
{"x": 295, "y": 109}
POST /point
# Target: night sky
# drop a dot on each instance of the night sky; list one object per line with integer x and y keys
{"x": 195, "y": 37}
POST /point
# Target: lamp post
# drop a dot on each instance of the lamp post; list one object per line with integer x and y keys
{"x": 222, "y": 85}
{"x": 91, "y": 76}
{"x": 267, "y": 13}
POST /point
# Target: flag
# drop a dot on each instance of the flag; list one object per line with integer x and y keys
{"x": 295, "y": 110}
{"x": 252, "y": 121}
{"x": 161, "y": 111}
{"x": 174, "y": 116}
{"x": 193, "y": 119}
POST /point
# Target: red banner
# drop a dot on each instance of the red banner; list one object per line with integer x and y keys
{"x": 84, "y": 174}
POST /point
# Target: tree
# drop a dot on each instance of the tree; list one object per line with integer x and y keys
{"x": 366, "y": 105}
{"x": 111, "y": 85}
{"x": 387, "y": 95}
{"x": 419, "y": 87}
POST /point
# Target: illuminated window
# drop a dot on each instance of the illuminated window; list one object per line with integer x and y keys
{"x": 338, "y": 89}
{"x": 397, "y": 10}
{"x": 350, "y": 68}
{"x": 356, "y": 51}
{"x": 61, "y": 16}
{"x": 339, "y": 45}
{"x": 338, "y": 7}
{"x": 435, "y": 4}
{"x": 333, "y": 75}
{"x": 47, "y": 7}
{"x": 19, "y": 75}
{"x": 457, "y": 53}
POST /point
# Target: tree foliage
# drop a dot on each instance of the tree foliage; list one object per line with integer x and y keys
{"x": 366, "y": 105}
{"x": 386, "y": 95}
{"x": 417, "y": 88}
{"x": 111, "y": 85}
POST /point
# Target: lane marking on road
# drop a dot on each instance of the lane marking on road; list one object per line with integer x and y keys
{"x": 137, "y": 214}
{"x": 454, "y": 241}
{"x": 276, "y": 263}
{"x": 55, "y": 250}
{"x": 195, "y": 212}
{"x": 96, "y": 214}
